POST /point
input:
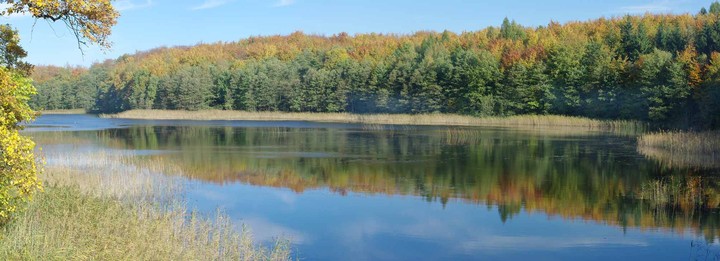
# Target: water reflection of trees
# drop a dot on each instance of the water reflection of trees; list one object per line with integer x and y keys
{"x": 587, "y": 177}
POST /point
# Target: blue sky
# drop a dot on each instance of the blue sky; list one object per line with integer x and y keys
{"x": 146, "y": 24}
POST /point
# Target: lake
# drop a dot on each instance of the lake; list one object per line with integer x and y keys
{"x": 379, "y": 192}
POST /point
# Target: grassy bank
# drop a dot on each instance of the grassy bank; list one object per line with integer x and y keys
{"x": 398, "y": 119}
{"x": 683, "y": 149}
{"x": 103, "y": 208}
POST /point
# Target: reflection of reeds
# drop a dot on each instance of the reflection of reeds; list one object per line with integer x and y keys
{"x": 462, "y": 136}
{"x": 395, "y": 119}
{"x": 109, "y": 207}
{"x": 686, "y": 193}
{"x": 682, "y": 149}
{"x": 387, "y": 127}
{"x": 673, "y": 199}
{"x": 674, "y": 159}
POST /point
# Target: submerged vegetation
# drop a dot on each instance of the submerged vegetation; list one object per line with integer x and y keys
{"x": 686, "y": 193}
{"x": 106, "y": 207}
{"x": 659, "y": 68}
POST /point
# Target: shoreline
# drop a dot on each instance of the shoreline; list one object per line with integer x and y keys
{"x": 682, "y": 148}
{"x": 68, "y": 111}
{"x": 389, "y": 119}
{"x": 103, "y": 210}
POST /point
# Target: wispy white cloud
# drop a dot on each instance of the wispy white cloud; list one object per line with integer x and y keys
{"x": 282, "y": 3}
{"x": 208, "y": 4}
{"x": 123, "y": 5}
{"x": 657, "y": 7}
{"x": 500, "y": 242}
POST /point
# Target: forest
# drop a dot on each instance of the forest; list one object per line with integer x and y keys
{"x": 659, "y": 68}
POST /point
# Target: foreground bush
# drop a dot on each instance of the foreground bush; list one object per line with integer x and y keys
{"x": 18, "y": 172}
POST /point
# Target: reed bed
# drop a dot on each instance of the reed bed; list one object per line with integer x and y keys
{"x": 72, "y": 111}
{"x": 683, "y": 141}
{"x": 682, "y": 149}
{"x": 118, "y": 176}
{"x": 676, "y": 159}
{"x": 111, "y": 207}
{"x": 684, "y": 192}
{"x": 388, "y": 127}
{"x": 457, "y": 136}
{"x": 391, "y": 119}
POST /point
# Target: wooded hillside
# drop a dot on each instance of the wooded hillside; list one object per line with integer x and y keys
{"x": 659, "y": 68}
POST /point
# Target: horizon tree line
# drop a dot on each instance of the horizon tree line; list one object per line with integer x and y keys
{"x": 659, "y": 68}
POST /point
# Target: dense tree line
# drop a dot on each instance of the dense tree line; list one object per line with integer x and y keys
{"x": 659, "y": 68}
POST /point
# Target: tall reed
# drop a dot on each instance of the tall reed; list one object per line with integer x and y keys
{"x": 683, "y": 141}
{"x": 112, "y": 207}
{"x": 682, "y": 148}
{"x": 395, "y": 119}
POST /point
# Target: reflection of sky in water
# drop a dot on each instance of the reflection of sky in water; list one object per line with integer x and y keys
{"x": 325, "y": 225}
{"x": 73, "y": 123}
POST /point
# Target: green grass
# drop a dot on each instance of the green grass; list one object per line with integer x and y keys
{"x": 107, "y": 209}
{"x": 553, "y": 121}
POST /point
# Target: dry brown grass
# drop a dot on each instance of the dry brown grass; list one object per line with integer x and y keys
{"x": 112, "y": 207}
{"x": 73, "y": 111}
{"x": 397, "y": 119}
{"x": 682, "y": 149}
{"x": 675, "y": 159}
{"x": 688, "y": 142}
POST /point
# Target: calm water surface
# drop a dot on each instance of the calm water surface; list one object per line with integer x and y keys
{"x": 359, "y": 192}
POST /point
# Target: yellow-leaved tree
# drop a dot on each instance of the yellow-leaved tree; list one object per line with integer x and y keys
{"x": 18, "y": 172}
{"x": 91, "y": 22}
